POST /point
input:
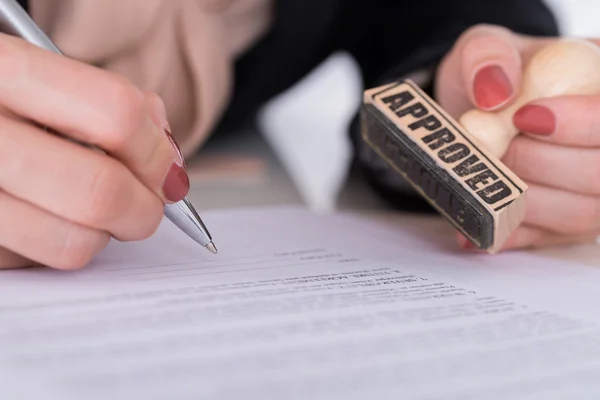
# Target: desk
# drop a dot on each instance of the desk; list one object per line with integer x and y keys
{"x": 268, "y": 184}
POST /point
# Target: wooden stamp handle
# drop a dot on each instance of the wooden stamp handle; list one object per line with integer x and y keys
{"x": 564, "y": 67}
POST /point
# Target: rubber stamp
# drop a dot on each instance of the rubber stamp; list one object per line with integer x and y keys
{"x": 456, "y": 166}
{"x": 480, "y": 196}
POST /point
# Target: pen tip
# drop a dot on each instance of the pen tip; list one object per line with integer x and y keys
{"x": 212, "y": 248}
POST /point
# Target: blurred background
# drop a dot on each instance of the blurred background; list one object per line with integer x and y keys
{"x": 306, "y": 128}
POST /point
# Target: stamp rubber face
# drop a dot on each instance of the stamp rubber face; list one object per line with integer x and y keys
{"x": 474, "y": 191}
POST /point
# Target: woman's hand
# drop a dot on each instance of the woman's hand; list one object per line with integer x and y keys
{"x": 60, "y": 202}
{"x": 558, "y": 155}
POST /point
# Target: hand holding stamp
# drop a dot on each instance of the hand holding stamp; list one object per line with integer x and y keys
{"x": 564, "y": 67}
{"x": 481, "y": 197}
{"x": 456, "y": 169}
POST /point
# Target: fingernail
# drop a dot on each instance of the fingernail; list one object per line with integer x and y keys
{"x": 467, "y": 245}
{"x": 464, "y": 243}
{"x": 177, "y": 183}
{"x": 491, "y": 87}
{"x": 176, "y": 147}
{"x": 535, "y": 119}
{"x": 158, "y": 112}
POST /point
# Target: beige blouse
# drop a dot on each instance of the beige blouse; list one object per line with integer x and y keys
{"x": 181, "y": 49}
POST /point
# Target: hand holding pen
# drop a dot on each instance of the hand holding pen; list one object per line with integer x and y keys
{"x": 61, "y": 202}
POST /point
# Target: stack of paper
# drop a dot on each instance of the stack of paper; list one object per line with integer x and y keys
{"x": 300, "y": 306}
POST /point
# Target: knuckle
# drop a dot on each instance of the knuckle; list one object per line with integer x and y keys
{"x": 107, "y": 195}
{"x": 79, "y": 247}
{"x": 127, "y": 109}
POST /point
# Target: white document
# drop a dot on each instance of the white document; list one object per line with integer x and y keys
{"x": 301, "y": 306}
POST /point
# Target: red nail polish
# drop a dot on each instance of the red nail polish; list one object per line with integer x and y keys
{"x": 464, "y": 243}
{"x": 535, "y": 119}
{"x": 491, "y": 87}
{"x": 468, "y": 245}
{"x": 177, "y": 183}
{"x": 176, "y": 147}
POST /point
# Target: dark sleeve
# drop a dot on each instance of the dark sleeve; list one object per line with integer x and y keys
{"x": 392, "y": 39}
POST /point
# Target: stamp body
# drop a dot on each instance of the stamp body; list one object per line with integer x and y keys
{"x": 478, "y": 194}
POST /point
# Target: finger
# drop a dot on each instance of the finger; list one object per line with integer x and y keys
{"x": 565, "y": 120}
{"x": 561, "y": 211}
{"x": 566, "y": 168}
{"x": 532, "y": 237}
{"x": 484, "y": 69}
{"x": 75, "y": 183}
{"x": 37, "y": 235}
{"x": 12, "y": 260}
{"x": 92, "y": 106}
{"x": 527, "y": 236}
{"x": 491, "y": 67}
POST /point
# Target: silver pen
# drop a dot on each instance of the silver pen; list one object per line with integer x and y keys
{"x": 15, "y": 20}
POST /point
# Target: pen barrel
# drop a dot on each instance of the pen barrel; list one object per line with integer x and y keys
{"x": 14, "y": 20}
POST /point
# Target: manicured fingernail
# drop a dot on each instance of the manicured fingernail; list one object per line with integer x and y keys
{"x": 467, "y": 245}
{"x": 491, "y": 87}
{"x": 176, "y": 147}
{"x": 177, "y": 183}
{"x": 535, "y": 119}
{"x": 464, "y": 243}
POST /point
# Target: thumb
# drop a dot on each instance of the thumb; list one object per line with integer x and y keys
{"x": 483, "y": 70}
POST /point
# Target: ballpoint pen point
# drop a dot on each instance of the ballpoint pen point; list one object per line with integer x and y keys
{"x": 212, "y": 248}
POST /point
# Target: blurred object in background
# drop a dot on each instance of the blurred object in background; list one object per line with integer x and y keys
{"x": 307, "y": 126}
{"x": 577, "y": 17}
{"x": 237, "y": 168}
{"x": 228, "y": 168}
